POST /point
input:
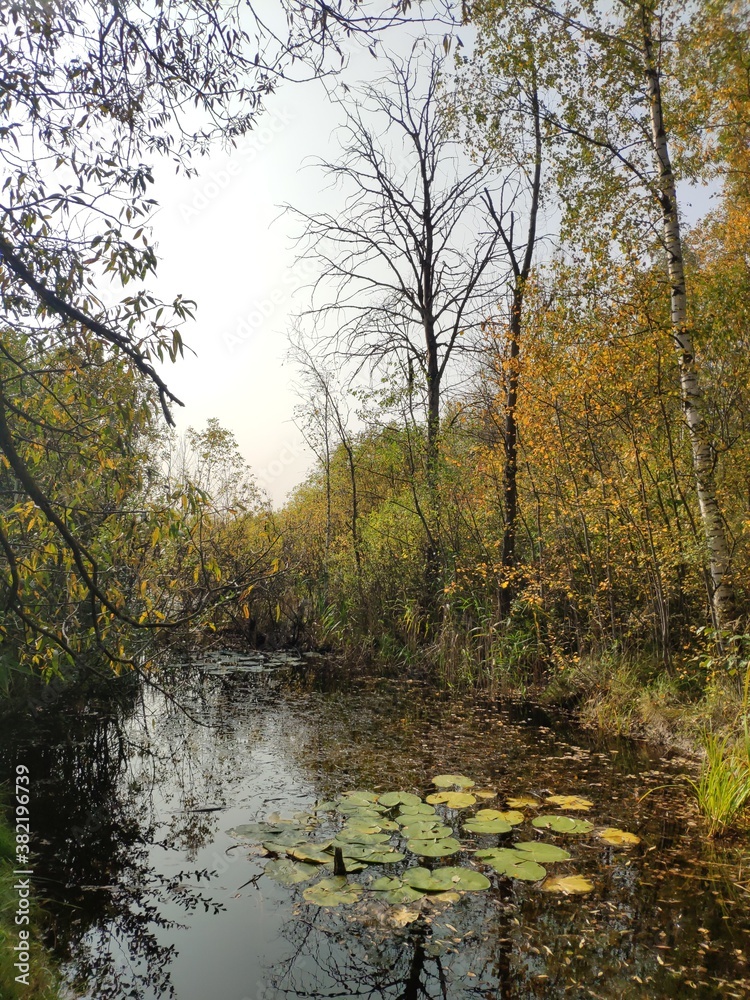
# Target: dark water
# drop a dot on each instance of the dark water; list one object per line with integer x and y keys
{"x": 151, "y": 897}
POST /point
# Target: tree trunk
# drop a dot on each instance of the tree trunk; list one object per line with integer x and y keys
{"x": 722, "y": 597}
{"x": 510, "y": 445}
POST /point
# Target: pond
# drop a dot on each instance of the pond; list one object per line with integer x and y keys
{"x": 152, "y": 896}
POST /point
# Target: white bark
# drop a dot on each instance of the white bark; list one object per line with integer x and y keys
{"x": 719, "y": 560}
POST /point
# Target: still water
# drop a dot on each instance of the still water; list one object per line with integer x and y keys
{"x": 152, "y": 898}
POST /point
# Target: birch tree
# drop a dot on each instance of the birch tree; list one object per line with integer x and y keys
{"x": 623, "y": 141}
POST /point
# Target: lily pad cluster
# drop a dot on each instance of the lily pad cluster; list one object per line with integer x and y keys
{"x": 364, "y": 828}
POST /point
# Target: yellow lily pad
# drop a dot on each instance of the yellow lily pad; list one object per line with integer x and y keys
{"x": 619, "y": 838}
{"x": 569, "y": 885}
{"x": 574, "y": 802}
{"x": 454, "y": 800}
{"x": 522, "y": 802}
{"x": 484, "y": 793}
{"x": 512, "y": 816}
{"x": 449, "y": 780}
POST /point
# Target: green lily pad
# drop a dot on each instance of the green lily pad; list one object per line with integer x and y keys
{"x": 511, "y": 816}
{"x": 376, "y": 855}
{"x": 453, "y": 800}
{"x": 325, "y": 807}
{"x": 290, "y": 872}
{"x": 254, "y": 831}
{"x": 350, "y": 865}
{"x": 403, "y": 895}
{"x": 365, "y": 809}
{"x": 386, "y": 883}
{"x": 527, "y": 871}
{"x": 361, "y": 796}
{"x": 280, "y": 843}
{"x": 347, "y": 836}
{"x": 488, "y": 826}
{"x": 334, "y": 891}
{"x": 451, "y": 780}
{"x": 562, "y": 824}
{"x": 418, "y": 809}
{"x": 538, "y": 851}
{"x": 498, "y": 857}
{"x": 435, "y": 848}
{"x": 445, "y": 879}
{"x": 391, "y": 799}
{"x": 426, "y": 831}
{"x": 317, "y": 854}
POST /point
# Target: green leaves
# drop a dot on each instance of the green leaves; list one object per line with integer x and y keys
{"x": 562, "y": 824}
{"x": 334, "y": 891}
{"x": 446, "y": 879}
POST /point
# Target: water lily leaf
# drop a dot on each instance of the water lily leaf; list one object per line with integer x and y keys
{"x": 376, "y": 855}
{"x": 454, "y": 800}
{"x": 350, "y": 865}
{"x": 315, "y": 853}
{"x": 435, "y": 848}
{"x": 347, "y": 836}
{"x": 562, "y": 824}
{"x": 253, "y": 831}
{"x": 511, "y": 816}
{"x": 279, "y": 843}
{"x": 484, "y": 793}
{"x": 418, "y": 809}
{"x": 488, "y": 826}
{"x": 426, "y": 831}
{"x": 361, "y": 826}
{"x": 619, "y": 838}
{"x": 334, "y": 891}
{"x": 365, "y": 809}
{"x": 391, "y": 799}
{"x": 445, "y": 879}
{"x": 449, "y": 780}
{"x": 290, "y": 872}
{"x": 362, "y": 796}
{"x": 276, "y": 818}
{"x": 538, "y": 851}
{"x": 522, "y": 802}
{"x": 386, "y": 883}
{"x": 498, "y": 857}
{"x": 568, "y": 884}
{"x": 573, "y": 802}
{"x": 527, "y": 871}
{"x": 325, "y": 807}
{"x": 446, "y": 897}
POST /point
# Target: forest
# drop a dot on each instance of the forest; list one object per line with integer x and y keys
{"x": 523, "y": 365}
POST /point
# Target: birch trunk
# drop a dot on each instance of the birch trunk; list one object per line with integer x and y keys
{"x": 722, "y": 596}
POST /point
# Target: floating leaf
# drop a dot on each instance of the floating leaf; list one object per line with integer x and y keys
{"x": 562, "y": 824}
{"x": 619, "y": 838}
{"x": 426, "y": 831}
{"x": 290, "y": 872}
{"x": 334, "y": 891}
{"x": 449, "y": 780}
{"x": 403, "y": 916}
{"x": 404, "y": 894}
{"x": 391, "y": 799}
{"x": 485, "y": 793}
{"x": 574, "y": 802}
{"x": 347, "y": 836}
{"x": 527, "y": 871}
{"x": 350, "y": 865}
{"x": 254, "y": 831}
{"x": 369, "y": 809}
{"x": 315, "y": 853}
{"x": 377, "y": 855}
{"x": 278, "y": 844}
{"x": 418, "y": 809}
{"x": 568, "y": 884}
{"x": 446, "y": 897}
{"x": 435, "y": 848}
{"x": 445, "y": 879}
{"x": 362, "y": 797}
{"x": 498, "y": 857}
{"x": 488, "y": 826}
{"x": 325, "y": 807}
{"x": 512, "y": 816}
{"x": 454, "y": 800}
{"x": 522, "y": 802}
{"x": 539, "y": 851}
{"x": 386, "y": 884}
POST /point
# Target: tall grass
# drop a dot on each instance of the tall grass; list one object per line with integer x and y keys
{"x": 723, "y": 788}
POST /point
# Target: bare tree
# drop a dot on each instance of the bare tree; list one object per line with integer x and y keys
{"x": 410, "y": 264}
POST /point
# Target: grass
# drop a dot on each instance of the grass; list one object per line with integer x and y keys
{"x": 723, "y": 788}
{"x": 43, "y": 980}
